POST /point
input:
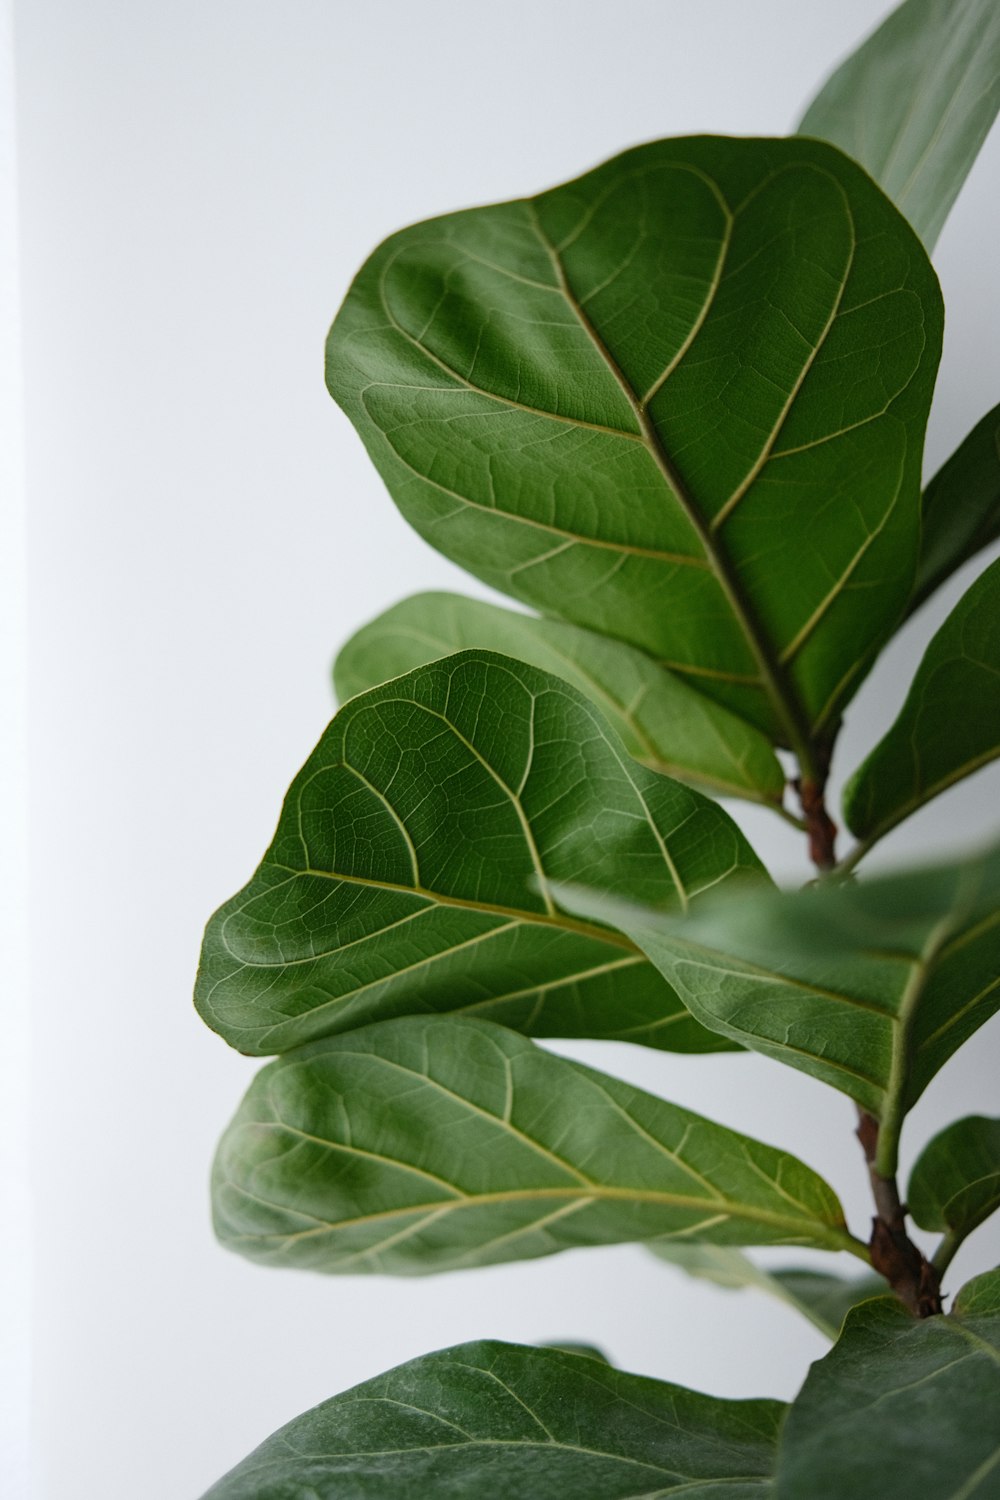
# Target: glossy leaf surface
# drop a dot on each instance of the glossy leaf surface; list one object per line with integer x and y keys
{"x": 821, "y": 1297}
{"x": 410, "y": 869}
{"x": 901, "y": 1407}
{"x": 515, "y": 1423}
{"x": 868, "y": 986}
{"x": 915, "y": 102}
{"x": 961, "y": 507}
{"x": 680, "y": 400}
{"x": 663, "y": 722}
{"x": 435, "y": 1144}
{"x": 955, "y": 1183}
{"x": 949, "y": 725}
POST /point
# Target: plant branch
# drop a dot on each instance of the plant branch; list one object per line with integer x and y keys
{"x": 810, "y": 785}
{"x": 914, "y": 1279}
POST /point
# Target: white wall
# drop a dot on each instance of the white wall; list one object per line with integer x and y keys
{"x": 199, "y": 183}
{"x": 15, "y": 1186}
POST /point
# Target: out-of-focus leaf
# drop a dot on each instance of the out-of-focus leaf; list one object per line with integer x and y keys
{"x": 410, "y": 870}
{"x": 901, "y": 1407}
{"x": 492, "y": 1419}
{"x": 432, "y": 1144}
{"x": 870, "y": 987}
{"x": 589, "y": 1351}
{"x": 680, "y": 400}
{"x": 961, "y": 507}
{"x": 955, "y": 1183}
{"x": 663, "y": 722}
{"x": 819, "y": 1296}
{"x": 949, "y": 725}
{"x": 915, "y": 102}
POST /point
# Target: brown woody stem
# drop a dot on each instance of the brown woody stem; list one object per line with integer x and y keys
{"x": 819, "y": 826}
{"x": 915, "y": 1281}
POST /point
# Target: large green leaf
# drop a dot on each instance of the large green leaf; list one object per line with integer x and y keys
{"x": 901, "y": 1407}
{"x": 870, "y": 987}
{"x": 915, "y": 102}
{"x": 491, "y": 1419}
{"x": 663, "y": 722}
{"x": 821, "y": 1297}
{"x": 431, "y": 1144}
{"x": 409, "y": 871}
{"x": 680, "y": 400}
{"x": 961, "y": 507}
{"x": 955, "y": 1183}
{"x": 949, "y": 725}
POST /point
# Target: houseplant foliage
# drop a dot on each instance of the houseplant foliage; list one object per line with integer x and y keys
{"x": 676, "y": 407}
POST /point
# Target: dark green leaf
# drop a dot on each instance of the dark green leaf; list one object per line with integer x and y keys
{"x": 870, "y": 987}
{"x": 409, "y": 872}
{"x": 492, "y": 1419}
{"x": 961, "y": 507}
{"x": 949, "y": 725}
{"x": 955, "y": 1184}
{"x": 901, "y": 1407}
{"x": 915, "y": 102}
{"x": 663, "y": 722}
{"x": 819, "y": 1296}
{"x": 680, "y": 400}
{"x": 432, "y": 1144}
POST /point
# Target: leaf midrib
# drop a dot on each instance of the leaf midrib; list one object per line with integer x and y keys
{"x": 902, "y": 1055}
{"x": 784, "y": 701}
{"x": 462, "y": 903}
{"x": 473, "y": 1440}
{"x": 836, "y": 1237}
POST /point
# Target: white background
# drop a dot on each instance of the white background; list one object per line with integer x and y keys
{"x": 199, "y": 182}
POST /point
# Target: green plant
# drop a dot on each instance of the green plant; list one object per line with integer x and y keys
{"x": 678, "y": 406}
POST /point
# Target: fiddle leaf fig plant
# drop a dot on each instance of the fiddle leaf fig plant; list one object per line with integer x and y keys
{"x": 676, "y": 407}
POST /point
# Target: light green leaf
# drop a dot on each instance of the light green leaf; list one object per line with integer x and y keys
{"x": 961, "y": 507}
{"x": 680, "y": 401}
{"x": 409, "y": 872}
{"x": 870, "y": 987}
{"x": 434, "y": 1144}
{"x": 518, "y": 1424}
{"x": 819, "y": 1296}
{"x": 663, "y": 722}
{"x": 949, "y": 725}
{"x": 955, "y": 1183}
{"x": 915, "y": 102}
{"x": 901, "y": 1407}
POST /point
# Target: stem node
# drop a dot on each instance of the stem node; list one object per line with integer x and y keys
{"x": 916, "y": 1282}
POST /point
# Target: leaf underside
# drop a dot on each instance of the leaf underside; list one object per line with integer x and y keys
{"x": 517, "y": 1423}
{"x": 955, "y": 1182}
{"x": 664, "y": 723}
{"x": 961, "y": 507}
{"x": 870, "y": 988}
{"x": 680, "y": 401}
{"x": 915, "y": 102}
{"x": 436, "y": 1144}
{"x": 949, "y": 725}
{"x": 409, "y": 872}
{"x": 901, "y": 1407}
